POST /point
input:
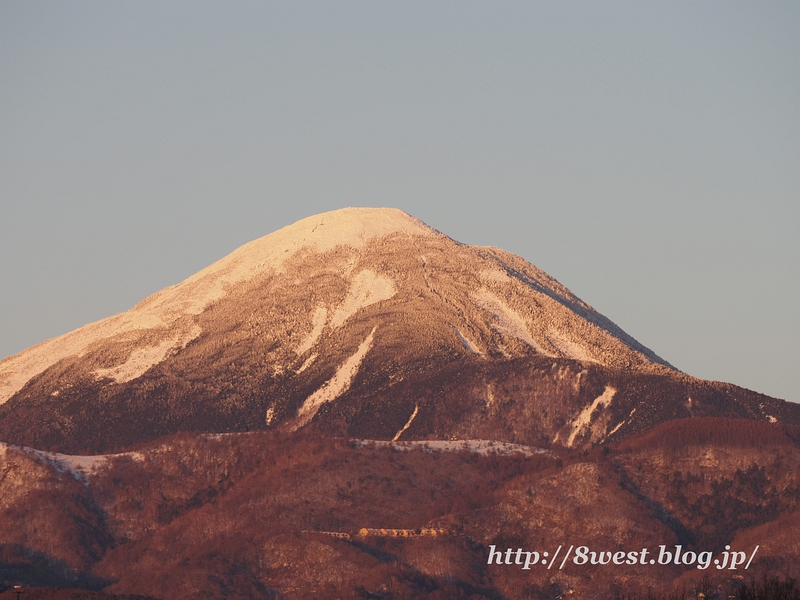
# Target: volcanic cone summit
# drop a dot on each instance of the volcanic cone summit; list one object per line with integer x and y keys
{"x": 359, "y": 317}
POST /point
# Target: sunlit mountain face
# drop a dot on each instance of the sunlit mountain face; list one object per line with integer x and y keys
{"x": 374, "y": 374}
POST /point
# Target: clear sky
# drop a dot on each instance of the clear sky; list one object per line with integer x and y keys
{"x": 645, "y": 154}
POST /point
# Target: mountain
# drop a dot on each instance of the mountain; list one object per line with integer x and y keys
{"x": 364, "y": 321}
{"x": 357, "y": 406}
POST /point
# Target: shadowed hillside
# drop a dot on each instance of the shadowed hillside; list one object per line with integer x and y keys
{"x": 250, "y": 515}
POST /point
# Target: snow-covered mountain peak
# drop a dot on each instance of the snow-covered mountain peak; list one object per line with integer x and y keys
{"x": 348, "y": 226}
{"x": 168, "y": 315}
{"x": 363, "y": 319}
{"x": 353, "y": 227}
{"x": 344, "y": 227}
{"x": 326, "y": 274}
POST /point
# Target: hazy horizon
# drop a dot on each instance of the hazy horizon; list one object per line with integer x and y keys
{"x": 643, "y": 155}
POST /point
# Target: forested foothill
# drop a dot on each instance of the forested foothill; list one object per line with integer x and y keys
{"x": 246, "y": 515}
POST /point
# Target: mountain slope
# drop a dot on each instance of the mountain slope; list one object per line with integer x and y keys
{"x": 269, "y": 515}
{"x": 359, "y": 320}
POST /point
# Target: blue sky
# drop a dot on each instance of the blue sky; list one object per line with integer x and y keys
{"x": 644, "y": 154}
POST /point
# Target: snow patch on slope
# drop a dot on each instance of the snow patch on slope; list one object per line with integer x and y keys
{"x": 508, "y": 321}
{"x": 318, "y": 324}
{"x": 467, "y": 344}
{"x": 569, "y": 348}
{"x": 627, "y": 421}
{"x": 367, "y": 288}
{"x": 336, "y": 385}
{"x": 142, "y": 359}
{"x": 307, "y": 363}
{"x": 407, "y": 425}
{"x": 16, "y": 371}
{"x": 78, "y": 466}
{"x": 583, "y": 420}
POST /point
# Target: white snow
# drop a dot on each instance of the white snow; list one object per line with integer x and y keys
{"x": 583, "y": 420}
{"x": 142, "y": 359}
{"x": 307, "y": 363}
{"x": 568, "y": 348}
{"x": 336, "y": 385}
{"x": 508, "y": 321}
{"x": 625, "y": 422}
{"x": 16, "y": 371}
{"x": 77, "y": 465}
{"x": 620, "y": 424}
{"x": 407, "y": 425}
{"x": 318, "y": 324}
{"x": 770, "y": 418}
{"x": 352, "y": 227}
{"x": 367, "y": 288}
{"x": 468, "y": 344}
